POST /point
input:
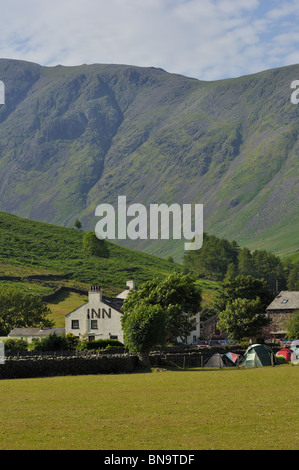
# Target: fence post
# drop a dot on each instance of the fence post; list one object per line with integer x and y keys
{"x": 272, "y": 360}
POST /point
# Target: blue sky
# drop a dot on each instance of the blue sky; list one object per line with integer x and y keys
{"x": 205, "y": 39}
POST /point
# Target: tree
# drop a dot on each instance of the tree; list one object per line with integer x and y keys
{"x": 232, "y": 271}
{"x": 212, "y": 260}
{"x": 240, "y": 297}
{"x": 176, "y": 299}
{"x": 219, "y": 258}
{"x": 245, "y": 262}
{"x": 144, "y": 327}
{"x": 293, "y": 279}
{"x": 77, "y": 224}
{"x": 244, "y": 287}
{"x": 94, "y": 246}
{"x": 20, "y": 310}
{"x": 292, "y": 325}
{"x": 243, "y": 318}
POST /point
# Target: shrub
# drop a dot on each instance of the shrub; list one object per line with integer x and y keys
{"x": 72, "y": 341}
{"x": 53, "y": 342}
{"x": 100, "y": 344}
{"x": 93, "y": 246}
{"x": 14, "y": 345}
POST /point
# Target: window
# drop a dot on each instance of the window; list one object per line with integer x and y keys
{"x": 217, "y": 332}
{"x": 94, "y": 324}
{"x": 113, "y": 337}
{"x": 75, "y": 324}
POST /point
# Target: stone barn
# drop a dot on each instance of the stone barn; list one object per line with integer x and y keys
{"x": 280, "y": 309}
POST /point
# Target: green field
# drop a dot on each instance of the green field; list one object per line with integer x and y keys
{"x": 64, "y": 303}
{"x": 227, "y": 409}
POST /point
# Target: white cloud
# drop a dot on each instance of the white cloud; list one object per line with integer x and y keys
{"x": 207, "y": 39}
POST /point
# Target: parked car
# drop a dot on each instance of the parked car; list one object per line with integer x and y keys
{"x": 200, "y": 343}
{"x": 217, "y": 342}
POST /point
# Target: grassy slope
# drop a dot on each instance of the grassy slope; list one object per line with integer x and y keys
{"x": 37, "y": 246}
{"x": 294, "y": 258}
{"x": 189, "y": 410}
{"x": 28, "y": 247}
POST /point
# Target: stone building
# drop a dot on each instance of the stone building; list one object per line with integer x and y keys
{"x": 210, "y": 331}
{"x": 34, "y": 333}
{"x": 280, "y": 310}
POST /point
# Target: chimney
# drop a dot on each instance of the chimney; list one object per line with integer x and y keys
{"x": 131, "y": 285}
{"x": 95, "y": 294}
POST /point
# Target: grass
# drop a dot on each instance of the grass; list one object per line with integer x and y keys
{"x": 40, "y": 247}
{"x": 64, "y": 303}
{"x": 32, "y": 248}
{"x": 227, "y": 409}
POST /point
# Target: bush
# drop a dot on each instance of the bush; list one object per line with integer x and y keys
{"x": 94, "y": 246}
{"x": 53, "y": 342}
{"x": 72, "y": 341}
{"x": 100, "y": 344}
{"x": 14, "y": 345}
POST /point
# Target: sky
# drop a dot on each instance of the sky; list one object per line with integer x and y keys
{"x": 204, "y": 39}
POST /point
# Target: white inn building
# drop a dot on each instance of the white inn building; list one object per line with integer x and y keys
{"x": 100, "y": 317}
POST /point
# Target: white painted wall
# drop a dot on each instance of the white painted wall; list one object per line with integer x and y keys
{"x": 95, "y": 319}
{"x": 194, "y": 334}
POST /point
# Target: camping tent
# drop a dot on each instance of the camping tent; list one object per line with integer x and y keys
{"x": 232, "y": 356}
{"x": 284, "y": 353}
{"x": 295, "y": 351}
{"x": 258, "y": 355}
{"x": 295, "y": 345}
{"x": 219, "y": 360}
{"x": 295, "y": 357}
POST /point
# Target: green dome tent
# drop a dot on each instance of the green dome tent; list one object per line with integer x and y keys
{"x": 258, "y": 355}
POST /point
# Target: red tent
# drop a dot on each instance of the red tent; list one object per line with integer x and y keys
{"x": 285, "y": 352}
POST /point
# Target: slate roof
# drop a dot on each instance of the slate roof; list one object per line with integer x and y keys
{"x": 285, "y": 300}
{"x": 113, "y": 302}
{"x": 36, "y": 331}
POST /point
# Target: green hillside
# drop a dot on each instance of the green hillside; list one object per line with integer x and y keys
{"x": 30, "y": 249}
{"x": 294, "y": 259}
{"x": 75, "y": 137}
{"x": 37, "y": 258}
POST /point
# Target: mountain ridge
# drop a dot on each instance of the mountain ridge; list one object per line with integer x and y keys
{"x": 74, "y": 137}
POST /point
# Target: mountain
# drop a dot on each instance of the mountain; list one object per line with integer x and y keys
{"x": 72, "y": 138}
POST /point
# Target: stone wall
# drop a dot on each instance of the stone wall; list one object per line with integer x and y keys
{"x": 49, "y": 297}
{"x": 277, "y": 325}
{"x": 101, "y": 362}
{"x": 49, "y": 366}
{"x": 191, "y": 358}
